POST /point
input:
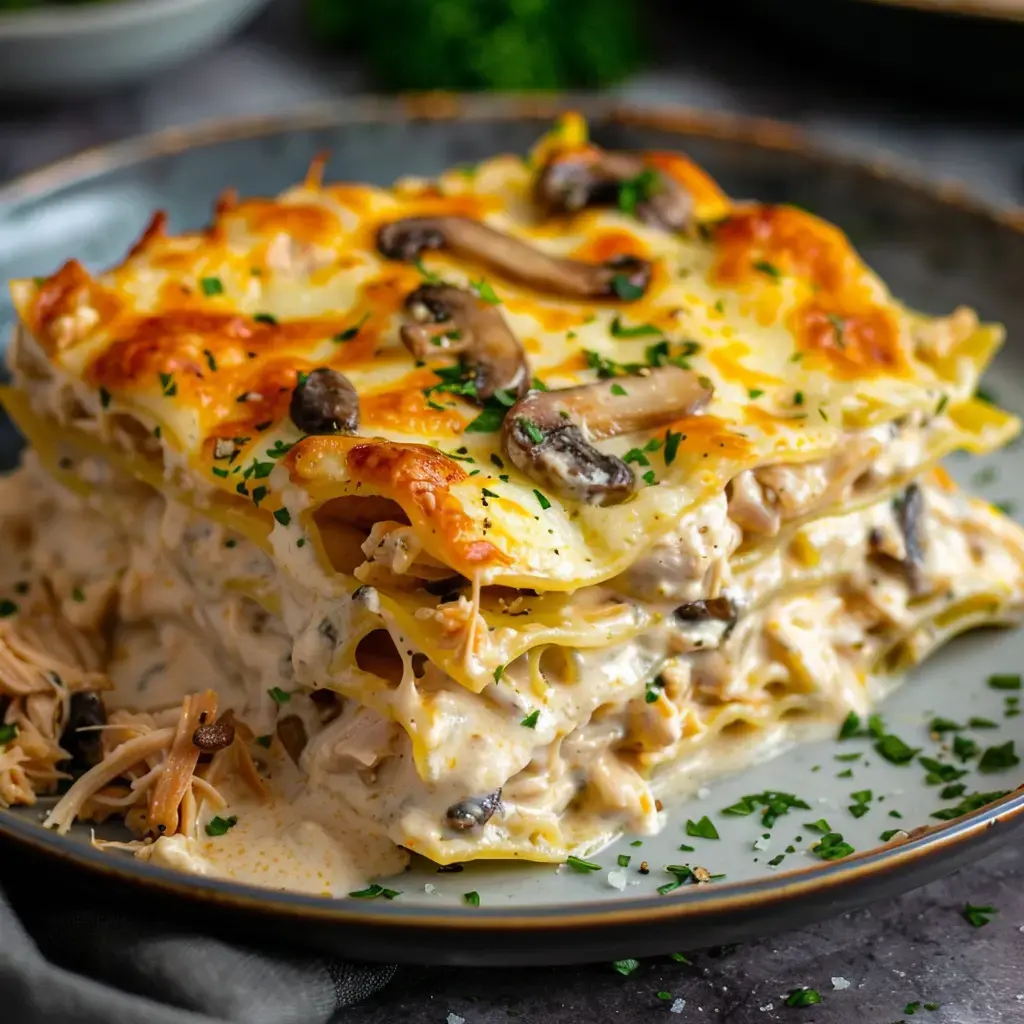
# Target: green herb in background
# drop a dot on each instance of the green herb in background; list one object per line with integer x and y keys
{"x": 485, "y": 44}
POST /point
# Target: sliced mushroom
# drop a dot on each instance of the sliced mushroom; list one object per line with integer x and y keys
{"x": 721, "y": 608}
{"x": 575, "y": 179}
{"x": 909, "y": 511}
{"x": 215, "y": 736}
{"x": 79, "y": 738}
{"x": 625, "y": 277}
{"x": 473, "y": 812}
{"x": 547, "y": 435}
{"x": 325, "y": 402}
{"x": 292, "y": 733}
{"x": 450, "y": 320}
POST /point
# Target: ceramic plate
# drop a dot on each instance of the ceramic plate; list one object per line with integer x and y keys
{"x": 935, "y": 251}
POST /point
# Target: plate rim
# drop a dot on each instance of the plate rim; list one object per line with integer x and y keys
{"x": 927, "y": 843}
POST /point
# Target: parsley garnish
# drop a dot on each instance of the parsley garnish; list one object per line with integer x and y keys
{"x": 821, "y": 825}
{"x": 981, "y": 723}
{"x": 428, "y": 275}
{"x": 279, "y": 696}
{"x": 941, "y": 407}
{"x": 754, "y": 393}
{"x": 530, "y": 721}
{"x": 1004, "y": 682}
{"x": 965, "y": 749}
{"x": 625, "y": 289}
{"x": 803, "y": 997}
{"x": 832, "y": 846}
{"x": 498, "y": 673}
{"x": 638, "y": 190}
{"x": 623, "y": 860}
{"x": 265, "y": 741}
{"x": 978, "y": 917}
{"x": 371, "y": 892}
{"x": 532, "y": 431}
{"x": 861, "y": 799}
{"x": 703, "y": 829}
{"x": 167, "y": 385}
{"x": 350, "y": 332}
{"x": 7, "y": 608}
{"x": 941, "y": 725}
{"x": 939, "y": 772}
{"x": 775, "y": 805}
{"x": 618, "y": 390}
{"x": 767, "y": 268}
{"x": 220, "y": 826}
{"x": 672, "y": 440}
{"x": 77, "y": 595}
{"x": 211, "y": 286}
{"x": 283, "y": 516}
{"x": 985, "y": 395}
{"x": 972, "y": 802}
{"x": 625, "y": 967}
{"x": 266, "y": 318}
{"x": 889, "y": 833}
{"x": 619, "y": 330}
{"x": 893, "y": 749}
{"x": 8, "y": 732}
{"x": 582, "y": 866}
{"x": 472, "y": 898}
{"x": 996, "y": 759}
{"x": 541, "y": 500}
{"x": 484, "y": 291}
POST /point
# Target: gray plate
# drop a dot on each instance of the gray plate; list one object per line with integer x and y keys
{"x": 934, "y": 251}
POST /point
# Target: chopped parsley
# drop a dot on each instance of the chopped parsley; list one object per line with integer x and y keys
{"x": 625, "y": 967}
{"x": 672, "y": 440}
{"x": 894, "y": 750}
{"x": 636, "y": 455}
{"x": 77, "y": 594}
{"x": 532, "y": 431}
{"x": 623, "y": 860}
{"x": 350, "y": 332}
{"x": 976, "y": 916}
{"x": 981, "y": 723}
{"x": 211, "y": 286}
{"x": 832, "y": 846}
{"x": 953, "y": 791}
{"x": 997, "y": 759}
{"x": 472, "y": 898}
{"x": 765, "y": 267}
{"x": 861, "y": 800}
{"x": 681, "y": 958}
{"x": 168, "y": 385}
{"x": 703, "y": 829}
{"x": 283, "y": 516}
{"x": 265, "y": 741}
{"x": 803, "y": 997}
{"x": 8, "y": 732}
{"x": 7, "y": 608}
{"x": 625, "y": 289}
{"x": 821, "y": 825}
{"x": 483, "y": 291}
{"x": 941, "y": 725}
{"x": 939, "y": 772}
{"x": 498, "y": 672}
{"x": 279, "y": 696}
{"x": 775, "y": 805}
{"x": 798, "y": 398}
{"x": 638, "y": 190}
{"x": 541, "y": 500}
{"x": 530, "y": 721}
{"x": 971, "y": 802}
{"x": 754, "y": 393}
{"x": 219, "y": 826}
{"x": 649, "y": 478}
{"x": 618, "y": 390}
{"x": 889, "y": 833}
{"x": 372, "y": 892}
{"x": 266, "y": 318}
{"x": 965, "y": 748}
{"x": 584, "y": 867}
{"x": 985, "y": 395}
{"x": 1004, "y": 682}
{"x": 619, "y": 330}
{"x": 428, "y": 275}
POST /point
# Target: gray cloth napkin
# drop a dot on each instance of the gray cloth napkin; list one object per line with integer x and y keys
{"x": 77, "y": 964}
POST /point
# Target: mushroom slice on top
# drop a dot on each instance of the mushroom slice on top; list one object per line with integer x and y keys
{"x": 450, "y": 320}
{"x": 625, "y": 277}
{"x": 547, "y": 435}
{"x": 574, "y": 179}
{"x": 325, "y": 402}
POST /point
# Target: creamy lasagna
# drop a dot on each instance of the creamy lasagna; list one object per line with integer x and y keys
{"x": 472, "y": 517}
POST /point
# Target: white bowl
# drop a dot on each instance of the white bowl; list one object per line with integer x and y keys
{"x": 62, "y": 51}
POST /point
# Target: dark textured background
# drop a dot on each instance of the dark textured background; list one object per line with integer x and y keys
{"x": 916, "y": 948}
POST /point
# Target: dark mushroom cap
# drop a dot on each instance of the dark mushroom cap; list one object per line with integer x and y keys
{"x": 547, "y": 435}
{"x": 84, "y": 711}
{"x": 515, "y": 259}
{"x": 473, "y": 811}
{"x": 448, "y": 320}
{"x": 325, "y": 402}
{"x": 577, "y": 178}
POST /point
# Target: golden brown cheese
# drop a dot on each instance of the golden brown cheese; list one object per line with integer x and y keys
{"x": 201, "y": 337}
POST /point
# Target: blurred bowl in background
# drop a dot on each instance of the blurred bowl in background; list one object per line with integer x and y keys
{"x": 61, "y": 51}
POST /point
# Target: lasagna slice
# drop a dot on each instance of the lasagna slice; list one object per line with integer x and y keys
{"x": 473, "y": 518}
